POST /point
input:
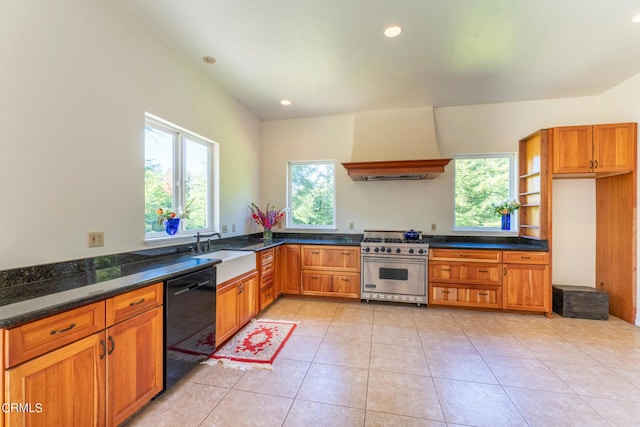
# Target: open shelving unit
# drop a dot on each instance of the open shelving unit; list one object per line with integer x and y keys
{"x": 534, "y": 186}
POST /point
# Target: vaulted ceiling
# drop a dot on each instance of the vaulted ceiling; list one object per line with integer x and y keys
{"x": 331, "y": 57}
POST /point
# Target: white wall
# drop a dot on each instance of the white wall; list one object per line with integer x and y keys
{"x": 417, "y": 204}
{"x": 77, "y": 78}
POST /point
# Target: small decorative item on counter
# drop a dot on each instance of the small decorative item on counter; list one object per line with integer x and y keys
{"x": 505, "y": 209}
{"x": 267, "y": 219}
{"x": 171, "y": 219}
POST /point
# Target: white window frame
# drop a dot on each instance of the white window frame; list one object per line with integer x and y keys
{"x": 513, "y": 193}
{"x": 289, "y": 224}
{"x": 179, "y": 167}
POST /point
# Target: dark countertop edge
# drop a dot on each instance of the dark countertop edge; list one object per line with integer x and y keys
{"x": 84, "y": 295}
{"x": 492, "y": 246}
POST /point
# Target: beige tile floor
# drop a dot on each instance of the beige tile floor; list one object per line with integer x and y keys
{"x": 351, "y": 364}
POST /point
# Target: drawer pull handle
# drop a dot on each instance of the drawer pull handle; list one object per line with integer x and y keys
{"x": 445, "y": 269}
{"x": 464, "y": 255}
{"x": 104, "y": 349}
{"x": 315, "y": 277}
{"x": 137, "y": 302}
{"x": 525, "y": 257}
{"x": 446, "y": 292}
{"x": 344, "y": 279}
{"x": 315, "y": 252}
{"x": 113, "y": 344}
{"x": 59, "y": 331}
{"x": 483, "y": 271}
{"x": 484, "y": 294}
{"x": 346, "y": 253}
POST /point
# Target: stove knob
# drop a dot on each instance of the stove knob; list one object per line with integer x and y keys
{"x": 376, "y": 250}
{"x": 398, "y": 250}
{"x": 411, "y": 250}
{"x": 366, "y": 249}
{"x": 381, "y": 248}
{"x": 388, "y": 250}
{"x": 421, "y": 251}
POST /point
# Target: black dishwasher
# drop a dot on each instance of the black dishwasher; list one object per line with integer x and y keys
{"x": 190, "y": 322}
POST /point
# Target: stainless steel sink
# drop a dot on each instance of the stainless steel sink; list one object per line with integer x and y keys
{"x": 234, "y": 263}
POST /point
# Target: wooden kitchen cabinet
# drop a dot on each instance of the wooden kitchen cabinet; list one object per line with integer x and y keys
{"x": 331, "y": 271}
{"x": 527, "y": 281}
{"x": 468, "y": 278}
{"x": 266, "y": 263}
{"x": 594, "y": 150}
{"x": 236, "y": 304}
{"x": 135, "y": 351}
{"x": 92, "y": 378}
{"x": 289, "y": 266}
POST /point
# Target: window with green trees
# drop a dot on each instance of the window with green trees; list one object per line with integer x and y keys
{"x": 480, "y": 181}
{"x": 179, "y": 168}
{"x": 311, "y": 194}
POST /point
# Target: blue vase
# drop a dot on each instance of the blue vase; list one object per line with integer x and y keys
{"x": 506, "y": 222}
{"x": 173, "y": 224}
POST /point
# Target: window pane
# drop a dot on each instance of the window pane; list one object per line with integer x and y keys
{"x": 158, "y": 173}
{"x": 312, "y": 194}
{"x": 479, "y": 182}
{"x": 196, "y": 173}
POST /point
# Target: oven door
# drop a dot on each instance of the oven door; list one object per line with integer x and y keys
{"x": 403, "y": 276}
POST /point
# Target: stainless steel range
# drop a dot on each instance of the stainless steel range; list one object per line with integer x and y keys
{"x": 394, "y": 268}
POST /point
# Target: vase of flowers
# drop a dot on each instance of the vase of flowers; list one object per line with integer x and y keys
{"x": 506, "y": 208}
{"x": 171, "y": 219}
{"x": 267, "y": 219}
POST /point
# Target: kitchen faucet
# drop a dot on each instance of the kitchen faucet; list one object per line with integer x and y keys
{"x": 199, "y": 236}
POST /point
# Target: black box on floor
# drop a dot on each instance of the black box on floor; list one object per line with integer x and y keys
{"x": 582, "y": 302}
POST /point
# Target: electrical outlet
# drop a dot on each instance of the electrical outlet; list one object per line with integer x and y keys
{"x": 351, "y": 226}
{"x": 433, "y": 226}
{"x": 233, "y": 228}
{"x": 224, "y": 229}
{"x": 96, "y": 239}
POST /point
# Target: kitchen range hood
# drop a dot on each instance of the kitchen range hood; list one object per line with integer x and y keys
{"x": 393, "y": 170}
{"x": 395, "y": 145}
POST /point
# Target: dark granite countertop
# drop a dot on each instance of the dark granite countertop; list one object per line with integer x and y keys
{"x": 31, "y": 293}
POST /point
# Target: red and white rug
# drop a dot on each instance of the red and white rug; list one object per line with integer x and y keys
{"x": 255, "y": 346}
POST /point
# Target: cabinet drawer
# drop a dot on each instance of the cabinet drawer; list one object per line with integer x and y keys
{"x": 525, "y": 257}
{"x": 41, "y": 336}
{"x": 130, "y": 304}
{"x": 471, "y": 296}
{"x": 329, "y": 284}
{"x": 458, "y": 272}
{"x": 472, "y": 255}
{"x": 267, "y": 295}
{"x": 330, "y": 258}
{"x": 266, "y": 256}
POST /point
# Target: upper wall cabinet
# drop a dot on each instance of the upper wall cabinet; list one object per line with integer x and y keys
{"x": 593, "y": 151}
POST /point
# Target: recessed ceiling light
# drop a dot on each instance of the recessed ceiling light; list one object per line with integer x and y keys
{"x": 285, "y": 102}
{"x": 393, "y": 31}
{"x": 636, "y": 19}
{"x": 209, "y": 59}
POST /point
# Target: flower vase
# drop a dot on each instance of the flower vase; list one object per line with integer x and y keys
{"x": 506, "y": 222}
{"x": 172, "y": 225}
{"x": 267, "y": 234}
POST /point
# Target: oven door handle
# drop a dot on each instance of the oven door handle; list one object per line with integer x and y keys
{"x": 397, "y": 260}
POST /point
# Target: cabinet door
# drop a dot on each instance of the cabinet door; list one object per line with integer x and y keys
{"x": 613, "y": 147}
{"x": 226, "y": 311}
{"x": 527, "y": 287}
{"x": 134, "y": 364}
{"x": 247, "y": 299}
{"x": 572, "y": 149}
{"x": 290, "y": 269}
{"x": 347, "y": 285}
{"x": 64, "y": 387}
{"x": 330, "y": 258}
{"x": 457, "y": 272}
